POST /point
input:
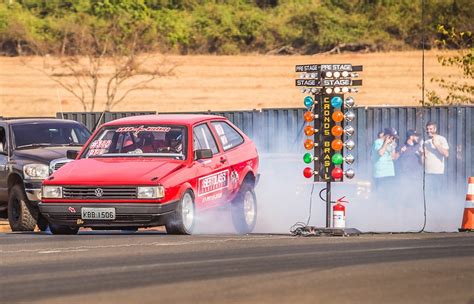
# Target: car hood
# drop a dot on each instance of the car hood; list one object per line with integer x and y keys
{"x": 44, "y": 155}
{"x": 107, "y": 171}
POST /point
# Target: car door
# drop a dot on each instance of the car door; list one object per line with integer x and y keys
{"x": 212, "y": 179}
{"x": 232, "y": 144}
{"x": 3, "y": 163}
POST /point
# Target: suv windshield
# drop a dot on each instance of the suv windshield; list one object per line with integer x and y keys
{"x": 49, "y": 134}
{"x": 130, "y": 141}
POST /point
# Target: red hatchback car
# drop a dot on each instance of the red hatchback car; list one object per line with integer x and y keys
{"x": 155, "y": 170}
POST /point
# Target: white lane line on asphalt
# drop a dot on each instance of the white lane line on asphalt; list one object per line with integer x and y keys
{"x": 63, "y": 251}
{"x": 158, "y": 244}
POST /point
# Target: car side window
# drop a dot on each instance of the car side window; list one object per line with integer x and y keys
{"x": 228, "y": 136}
{"x": 203, "y": 139}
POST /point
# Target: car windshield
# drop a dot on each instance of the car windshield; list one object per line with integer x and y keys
{"x": 30, "y": 135}
{"x": 139, "y": 141}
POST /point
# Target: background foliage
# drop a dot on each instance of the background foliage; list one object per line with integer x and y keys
{"x": 228, "y": 26}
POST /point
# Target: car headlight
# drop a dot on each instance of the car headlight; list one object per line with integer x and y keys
{"x": 35, "y": 171}
{"x": 151, "y": 192}
{"x": 52, "y": 192}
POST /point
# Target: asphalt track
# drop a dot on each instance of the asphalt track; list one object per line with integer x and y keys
{"x": 152, "y": 267}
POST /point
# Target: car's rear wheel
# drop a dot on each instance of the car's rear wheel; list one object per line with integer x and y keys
{"x": 61, "y": 229}
{"x": 244, "y": 209}
{"x": 21, "y": 215}
{"x": 182, "y": 221}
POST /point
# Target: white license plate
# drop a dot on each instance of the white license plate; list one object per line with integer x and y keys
{"x": 98, "y": 213}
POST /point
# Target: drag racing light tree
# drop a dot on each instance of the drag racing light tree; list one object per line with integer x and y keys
{"x": 310, "y": 132}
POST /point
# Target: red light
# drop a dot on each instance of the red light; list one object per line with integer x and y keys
{"x": 309, "y": 130}
{"x": 337, "y": 130}
{"x": 338, "y": 116}
{"x": 308, "y": 144}
{"x": 337, "y": 145}
{"x": 307, "y": 172}
{"x": 337, "y": 173}
{"x": 308, "y": 116}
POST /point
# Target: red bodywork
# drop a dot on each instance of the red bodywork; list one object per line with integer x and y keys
{"x": 213, "y": 181}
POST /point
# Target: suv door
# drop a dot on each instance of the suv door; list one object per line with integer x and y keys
{"x": 3, "y": 163}
{"x": 212, "y": 179}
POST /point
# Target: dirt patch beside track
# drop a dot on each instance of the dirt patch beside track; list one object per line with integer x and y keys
{"x": 202, "y": 83}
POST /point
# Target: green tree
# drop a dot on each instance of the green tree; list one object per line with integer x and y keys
{"x": 459, "y": 92}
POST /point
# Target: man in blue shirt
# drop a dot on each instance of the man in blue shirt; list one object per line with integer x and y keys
{"x": 383, "y": 153}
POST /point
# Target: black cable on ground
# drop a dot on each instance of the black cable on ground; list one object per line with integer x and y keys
{"x": 300, "y": 228}
{"x": 423, "y": 107}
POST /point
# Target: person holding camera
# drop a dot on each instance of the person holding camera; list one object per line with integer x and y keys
{"x": 384, "y": 153}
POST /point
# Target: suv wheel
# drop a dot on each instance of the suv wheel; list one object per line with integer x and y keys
{"x": 244, "y": 210}
{"x": 21, "y": 215}
{"x": 60, "y": 229}
{"x": 42, "y": 222}
{"x": 183, "y": 219}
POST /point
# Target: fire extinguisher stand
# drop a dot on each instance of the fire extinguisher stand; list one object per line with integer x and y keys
{"x": 332, "y": 231}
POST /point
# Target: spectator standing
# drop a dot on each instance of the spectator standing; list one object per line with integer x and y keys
{"x": 384, "y": 153}
{"x": 409, "y": 162}
{"x": 410, "y": 170}
{"x": 436, "y": 150}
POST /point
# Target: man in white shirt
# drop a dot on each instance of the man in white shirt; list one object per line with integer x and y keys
{"x": 436, "y": 150}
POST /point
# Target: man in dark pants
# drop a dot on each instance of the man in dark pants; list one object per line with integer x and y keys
{"x": 409, "y": 167}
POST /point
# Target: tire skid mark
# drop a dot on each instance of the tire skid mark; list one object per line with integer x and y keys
{"x": 158, "y": 244}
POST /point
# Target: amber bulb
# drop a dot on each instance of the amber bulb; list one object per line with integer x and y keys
{"x": 308, "y": 116}
{"x": 309, "y": 131}
{"x": 337, "y": 145}
{"x": 337, "y": 131}
{"x": 338, "y": 116}
{"x": 308, "y": 144}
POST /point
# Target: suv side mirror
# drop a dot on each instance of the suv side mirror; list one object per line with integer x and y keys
{"x": 72, "y": 154}
{"x": 202, "y": 154}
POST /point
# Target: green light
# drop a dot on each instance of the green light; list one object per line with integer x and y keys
{"x": 337, "y": 159}
{"x": 308, "y": 158}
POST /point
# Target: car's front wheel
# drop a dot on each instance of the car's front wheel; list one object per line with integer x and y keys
{"x": 244, "y": 209}
{"x": 182, "y": 221}
{"x": 21, "y": 215}
{"x": 61, "y": 229}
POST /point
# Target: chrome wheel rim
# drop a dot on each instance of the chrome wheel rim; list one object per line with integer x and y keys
{"x": 187, "y": 212}
{"x": 249, "y": 208}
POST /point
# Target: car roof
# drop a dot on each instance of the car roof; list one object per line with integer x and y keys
{"x": 165, "y": 119}
{"x": 18, "y": 121}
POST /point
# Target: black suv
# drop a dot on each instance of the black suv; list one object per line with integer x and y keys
{"x": 30, "y": 150}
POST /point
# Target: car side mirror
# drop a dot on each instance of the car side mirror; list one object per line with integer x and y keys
{"x": 72, "y": 154}
{"x": 202, "y": 154}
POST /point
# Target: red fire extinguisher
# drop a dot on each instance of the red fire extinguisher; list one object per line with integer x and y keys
{"x": 339, "y": 214}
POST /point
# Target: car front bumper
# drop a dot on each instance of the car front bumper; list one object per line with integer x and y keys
{"x": 126, "y": 214}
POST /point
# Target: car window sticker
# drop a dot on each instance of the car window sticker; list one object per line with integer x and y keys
{"x": 222, "y": 135}
{"x": 139, "y": 129}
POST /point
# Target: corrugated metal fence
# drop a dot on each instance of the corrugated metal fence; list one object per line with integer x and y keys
{"x": 280, "y": 130}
